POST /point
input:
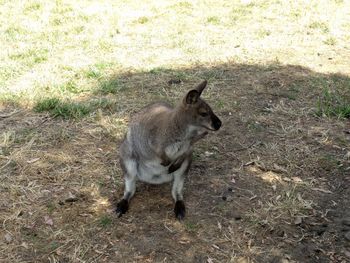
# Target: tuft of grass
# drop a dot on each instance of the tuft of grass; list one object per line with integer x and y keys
{"x": 31, "y": 57}
{"x": 105, "y": 221}
{"x": 70, "y": 87}
{"x": 98, "y": 70}
{"x": 241, "y": 12}
{"x": 213, "y": 20}
{"x": 331, "y": 41}
{"x": 323, "y": 27}
{"x": 332, "y": 104}
{"x": 13, "y": 32}
{"x": 48, "y": 104}
{"x": 32, "y": 7}
{"x": 112, "y": 86}
{"x": 142, "y": 20}
{"x": 65, "y": 110}
{"x": 262, "y": 33}
{"x": 191, "y": 227}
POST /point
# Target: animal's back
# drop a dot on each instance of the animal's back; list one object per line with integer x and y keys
{"x": 145, "y": 129}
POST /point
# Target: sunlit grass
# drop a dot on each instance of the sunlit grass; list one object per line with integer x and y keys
{"x": 67, "y": 49}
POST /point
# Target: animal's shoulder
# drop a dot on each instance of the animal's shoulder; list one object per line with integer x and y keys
{"x": 155, "y": 111}
{"x": 157, "y": 107}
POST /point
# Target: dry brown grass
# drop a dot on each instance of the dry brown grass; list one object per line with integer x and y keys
{"x": 280, "y": 160}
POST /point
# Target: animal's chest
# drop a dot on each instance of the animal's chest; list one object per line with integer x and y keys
{"x": 177, "y": 149}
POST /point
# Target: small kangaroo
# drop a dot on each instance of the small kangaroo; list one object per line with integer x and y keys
{"x": 157, "y": 147}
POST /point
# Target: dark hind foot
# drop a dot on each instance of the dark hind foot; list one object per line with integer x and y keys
{"x": 180, "y": 210}
{"x": 122, "y": 207}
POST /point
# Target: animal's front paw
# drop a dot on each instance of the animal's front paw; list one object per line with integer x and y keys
{"x": 180, "y": 210}
{"x": 122, "y": 207}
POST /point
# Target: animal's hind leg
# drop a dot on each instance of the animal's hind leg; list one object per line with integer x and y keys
{"x": 129, "y": 167}
{"x": 177, "y": 189}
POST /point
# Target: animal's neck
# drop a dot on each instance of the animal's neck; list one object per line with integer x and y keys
{"x": 179, "y": 125}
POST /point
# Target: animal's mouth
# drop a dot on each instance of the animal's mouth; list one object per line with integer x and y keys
{"x": 207, "y": 128}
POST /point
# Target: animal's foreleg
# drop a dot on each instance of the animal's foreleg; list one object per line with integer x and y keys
{"x": 130, "y": 172}
{"x": 177, "y": 189}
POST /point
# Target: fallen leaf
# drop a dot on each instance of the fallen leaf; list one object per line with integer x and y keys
{"x": 48, "y": 220}
{"x": 25, "y": 245}
{"x": 322, "y": 190}
{"x": 274, "y": 187}
{"x": 210, "y": 260}
{"x": 33, "y": 160}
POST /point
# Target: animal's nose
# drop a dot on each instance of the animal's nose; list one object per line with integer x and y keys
{"x": 217, "y": 123}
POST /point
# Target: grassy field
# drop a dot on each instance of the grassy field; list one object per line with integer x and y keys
{"x": 271, "y": 186}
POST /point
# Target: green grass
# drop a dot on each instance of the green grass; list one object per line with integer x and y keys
{"x": 70, "y": 87}
{"x": 66, "y": 110}
{"x": 323, "y": 27}
{"x": 331, "y": 41}
{"x": 191, "y": 227}
{"x": 84, "y": 47}
{"x": 142, "y": 20}
{"x": 333, "y": 104}
{"x": 70, "y": 109}
{"x": 111, "y": 86}
{"x": 213, "y": 20}
{"x": 31, "y": 57}
{"x": 105, "y": 221}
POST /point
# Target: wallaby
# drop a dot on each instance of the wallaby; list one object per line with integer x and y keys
{"x": 158, "y": 145}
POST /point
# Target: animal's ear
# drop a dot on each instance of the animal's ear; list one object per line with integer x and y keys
{"x": 192, "y": 97}
{"x": 201, "y": 87}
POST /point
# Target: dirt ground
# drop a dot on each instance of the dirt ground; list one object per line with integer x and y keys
{"x": 271, "y": 186}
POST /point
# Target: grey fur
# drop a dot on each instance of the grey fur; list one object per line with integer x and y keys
{"x": 158, "y": 145}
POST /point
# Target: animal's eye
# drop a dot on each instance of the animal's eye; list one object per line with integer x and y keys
{"x": 203, "y": 114}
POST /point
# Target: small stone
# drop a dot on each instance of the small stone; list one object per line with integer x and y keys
{"x": 71, "y": 198}
{"x": 8, "y": 238}
{"x": 207, "y": 153}
{"x": 298, "y": 220}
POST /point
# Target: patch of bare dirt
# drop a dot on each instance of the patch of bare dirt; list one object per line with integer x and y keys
{"x": 271, "y": 186}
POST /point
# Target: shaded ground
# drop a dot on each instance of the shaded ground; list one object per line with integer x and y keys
{"x": 283, "y": 172}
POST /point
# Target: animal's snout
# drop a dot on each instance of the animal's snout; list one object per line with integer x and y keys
{"x": 216, "y": 123}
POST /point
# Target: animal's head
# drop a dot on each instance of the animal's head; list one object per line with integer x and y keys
{"x": 198, "y": 112}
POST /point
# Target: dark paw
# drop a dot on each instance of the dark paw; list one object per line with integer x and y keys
{"x": 122, "y": 207}
{"x": 180, "y": 210}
